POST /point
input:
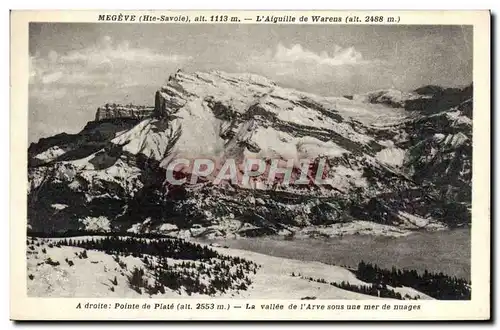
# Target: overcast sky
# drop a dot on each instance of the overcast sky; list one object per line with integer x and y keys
{"x": 74, "y": 68}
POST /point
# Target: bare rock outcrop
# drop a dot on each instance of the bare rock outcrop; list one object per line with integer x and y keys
{"x": 109, "y": 111}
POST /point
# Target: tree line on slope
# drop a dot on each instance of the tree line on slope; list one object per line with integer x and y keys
{"x": 435, "y": 285}
{"x": 439, "y": 286}
{"x": 174, "y": 264}
{"x": 371, "y": 290}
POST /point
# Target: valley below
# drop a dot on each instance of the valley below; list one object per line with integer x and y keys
{"x": 447, "y": 251}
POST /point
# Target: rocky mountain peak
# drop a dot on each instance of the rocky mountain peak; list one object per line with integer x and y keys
{"x": 378, "y": 154}
{"x": 110, "y": 111}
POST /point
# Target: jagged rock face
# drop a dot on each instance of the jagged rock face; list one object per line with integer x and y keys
{"x": 441, "y": 152}
{"x": 110, "y": 111}
{"x": 377, "y": 157}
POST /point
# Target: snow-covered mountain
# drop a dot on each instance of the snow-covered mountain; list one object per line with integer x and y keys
{"x": 390, "y": 162}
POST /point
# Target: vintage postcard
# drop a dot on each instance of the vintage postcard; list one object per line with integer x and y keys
{"x": 250, "y": 165}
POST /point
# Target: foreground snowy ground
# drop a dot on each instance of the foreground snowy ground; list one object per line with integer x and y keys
{"x": 68, "y": 271}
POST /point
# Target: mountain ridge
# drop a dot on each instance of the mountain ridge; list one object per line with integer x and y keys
{"x": 113, "y": 171}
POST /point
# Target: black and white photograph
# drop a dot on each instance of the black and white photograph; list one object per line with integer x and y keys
{"x": 274, "y": 161}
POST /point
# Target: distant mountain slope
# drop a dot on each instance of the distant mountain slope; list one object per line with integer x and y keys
{"x": 428, "y": 99}
{"x": 386, "y": 164}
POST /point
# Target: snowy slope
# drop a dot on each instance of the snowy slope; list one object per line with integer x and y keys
{"x": 100, "y": 275}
